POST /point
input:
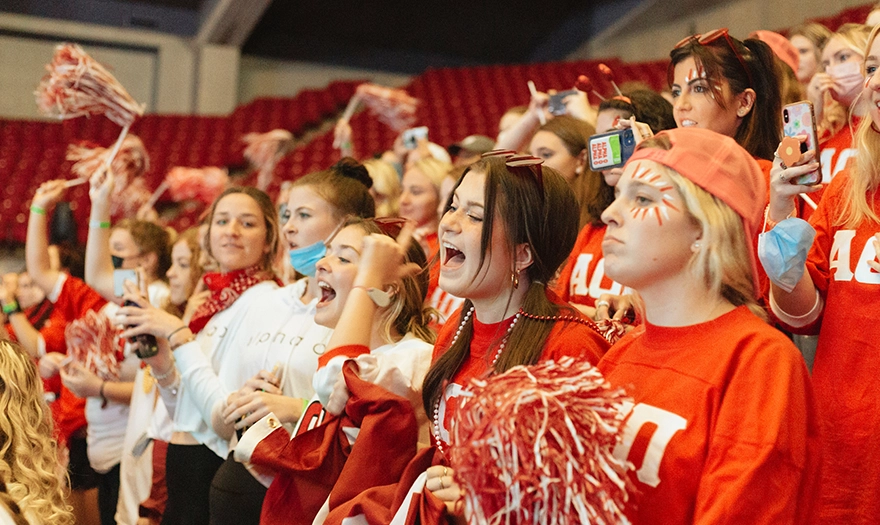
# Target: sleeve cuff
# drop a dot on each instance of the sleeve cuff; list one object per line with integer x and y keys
{"x": 56, "y": 290}
{"x": 259, "y": 431}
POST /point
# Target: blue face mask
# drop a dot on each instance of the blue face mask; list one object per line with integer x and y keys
{"x": 783, "y": 251}
{"x": 306, "y": 258}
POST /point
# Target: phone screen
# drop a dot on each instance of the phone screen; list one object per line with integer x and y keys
{"x": 556, "y": 104}
{"x": 119, "y": 279}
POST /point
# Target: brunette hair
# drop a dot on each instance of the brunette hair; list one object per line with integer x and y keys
{"x": 270, "y": 217}
{"x": 540, "y": 215}
{"x": 647, "y": 106}
{"x": 345, "y": 185}
{"x": 407, "y": 312}
{"x": 591, "y": 191}
{"x": 760, "y": 130}
{"x": 150, "y": 238}
{"x": 191, "y": 238}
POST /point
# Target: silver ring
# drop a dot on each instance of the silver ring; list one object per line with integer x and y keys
{"x": 782, "y": 176}
{"x": 600, "y": 304}
{"x": 441, "y": 482}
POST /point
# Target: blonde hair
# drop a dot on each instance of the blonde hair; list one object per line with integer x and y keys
{"x": 724, "y": 264}
{"x": 386, "y": 183}
{"x": 28, "y": 460}
{"x": 865, "y": 173}
{"x": 853, "y": 36}
{"x": 434, "y": 169}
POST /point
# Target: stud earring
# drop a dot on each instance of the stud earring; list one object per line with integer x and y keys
{"x": 695, "y": 247}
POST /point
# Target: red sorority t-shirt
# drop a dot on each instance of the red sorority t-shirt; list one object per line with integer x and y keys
{"x": 566, "y": 339}
{"x": 847, "y": 362}
{"x": 583, "y": 279}
{"x": 834, "y": 155}
{"x": 75, "y": 299}
{"x": 722, "y": 429}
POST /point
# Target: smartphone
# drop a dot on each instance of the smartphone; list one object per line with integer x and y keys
{"x": 556, "y": 105}
{"x": 611, "y": 150}
{"x": 798, "y": 118}
{"x": 411, "y": 136}
{"x": 145, "y": 345}
{"x": 119, "y": 279}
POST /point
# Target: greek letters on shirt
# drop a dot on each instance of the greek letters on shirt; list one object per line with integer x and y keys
{"x": 647, "y": 432}
{"x": 578, "y": 284}
{"x": 826, "y": 158}
{"x": 840, "y": 259}
{"x": 446, "y": 304}
{"x": 284, "y": 338}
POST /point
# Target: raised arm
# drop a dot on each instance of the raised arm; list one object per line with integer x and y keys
{"x": 518, "y": 136}
{"x": 99, "y": 268}
{"x": 37, "y": 244}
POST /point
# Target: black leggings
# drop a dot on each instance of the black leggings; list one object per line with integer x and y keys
{"x": 108, "y": 495}
{"x": 189, "y": 470}
{"x": 236, "y": 496}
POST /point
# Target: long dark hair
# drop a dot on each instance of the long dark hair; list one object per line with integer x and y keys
{"x": 761, "y": 128}
{"x": 544, "y": 218}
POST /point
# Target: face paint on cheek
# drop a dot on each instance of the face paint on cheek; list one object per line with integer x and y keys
{"x": 661, "y": 210}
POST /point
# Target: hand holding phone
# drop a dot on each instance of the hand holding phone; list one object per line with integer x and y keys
{"x": 412, "y": 136}
{"x": 145, "y": 345}
{"x": 798, "y": 119}
{"x": 556, "y": 105}
{"x": 611, "y": 150}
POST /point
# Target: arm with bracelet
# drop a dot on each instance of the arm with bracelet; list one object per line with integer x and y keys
{"x": 99, "y": 266}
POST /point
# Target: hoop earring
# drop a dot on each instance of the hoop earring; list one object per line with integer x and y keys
{"x": 514, "y": 279}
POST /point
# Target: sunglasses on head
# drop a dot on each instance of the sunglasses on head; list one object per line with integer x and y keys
{"x": 521, "y": 164}
{"x": 390, "y": 226}
{"x": 711, "y": 36}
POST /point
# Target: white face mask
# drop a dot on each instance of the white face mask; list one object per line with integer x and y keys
{"x": 848, "y": 78}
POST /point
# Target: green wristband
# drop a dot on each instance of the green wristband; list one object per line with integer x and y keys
{"x": 38, "y": 210}
{"x": 11, "y": 308}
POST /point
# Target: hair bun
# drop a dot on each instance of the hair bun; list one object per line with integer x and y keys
{"x": 349, "y": 167}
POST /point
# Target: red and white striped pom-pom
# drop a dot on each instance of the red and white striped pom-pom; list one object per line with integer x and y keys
{"x": 264, "y": 150}
{"x": 92, "y": 342}
{"x": 131, "y": 161}
{"x": 127, "y": 200}
{"x": 202, "y": 184}
{"x": 534, "y": 445}
{"x": 77, "y": 85}
{"x": 611, "y": 329}
{"x": 394, "y": 107}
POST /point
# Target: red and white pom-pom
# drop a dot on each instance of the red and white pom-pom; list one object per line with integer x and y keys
{"x": 92, "y": 342}
{"x": 534, "y": 445}
{"x": 131, "y": 161}
{"x": 126, "y": 201}
{"x": 264, "y": 150}
{"x": 77, "y": 85}
{"x": 202, "y": 184}
{"x": 394, "y": 107}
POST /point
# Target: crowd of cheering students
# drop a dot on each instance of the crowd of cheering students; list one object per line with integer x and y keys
{"x": 421, "y": 271}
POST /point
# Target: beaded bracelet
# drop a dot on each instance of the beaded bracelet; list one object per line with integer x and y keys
{"x": 163, "y": 377}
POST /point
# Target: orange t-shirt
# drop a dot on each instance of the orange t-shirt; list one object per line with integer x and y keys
{"x": 847, "y": 363}
{"x": 722, "y": 429}
{"x": 583, "y": 279}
